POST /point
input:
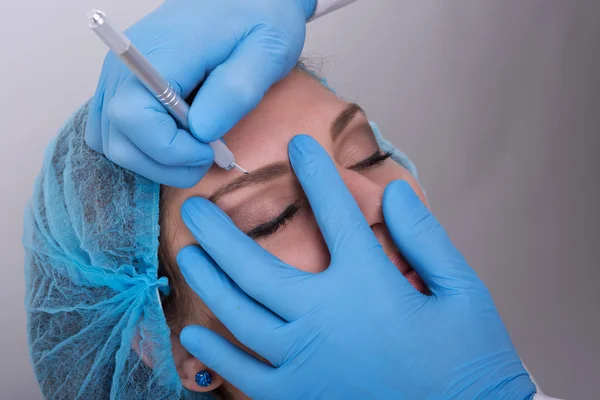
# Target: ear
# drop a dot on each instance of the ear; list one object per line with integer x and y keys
{"x": 188, "y": 367}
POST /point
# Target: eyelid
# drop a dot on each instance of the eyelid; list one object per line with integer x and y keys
{"x": 270, "y": 227}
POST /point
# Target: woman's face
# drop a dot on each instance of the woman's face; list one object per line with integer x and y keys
{"x": 269, "y": 204}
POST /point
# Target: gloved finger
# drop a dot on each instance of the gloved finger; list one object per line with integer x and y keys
{"x": 423, "y": 241}
{"x": 106, "y": 89}
{"x": 120, "y": 150}
{"x": 235, "y": 365}
{"x": 341, "y": 222}
{"x": 139, "y": 115}
{"x": 93, "y": 124}
{"x": 281, "y": 288}
{"x": 96, "y": 120}
{"x": 251, "y": 323}
{"x": 236, "y": 86}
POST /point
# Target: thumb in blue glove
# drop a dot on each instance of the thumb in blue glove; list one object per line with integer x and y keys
{"x": 239, "y": 49}
{"x": 358, "y": 329}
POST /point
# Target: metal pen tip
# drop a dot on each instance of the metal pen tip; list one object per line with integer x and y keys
{"x": 96, "y": 17}
{"x": 240, "y": 168}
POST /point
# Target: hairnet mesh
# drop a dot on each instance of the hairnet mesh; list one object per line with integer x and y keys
{"x": 91, "y": 239}
{"x": 95, "y": 324}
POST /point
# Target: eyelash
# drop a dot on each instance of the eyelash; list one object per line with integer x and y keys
{"x": 269, "y": 228}
{"x": 375, "y": 159}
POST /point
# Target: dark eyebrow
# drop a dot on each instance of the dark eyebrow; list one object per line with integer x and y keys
{"x": 343, "y": 120}
{"x": 261, "y": 175}
{"x": 276, "y": 170}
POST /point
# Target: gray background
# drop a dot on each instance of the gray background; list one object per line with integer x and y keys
{"x": 496, "y": 101}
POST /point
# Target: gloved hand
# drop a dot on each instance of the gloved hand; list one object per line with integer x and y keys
{"x": 358, "y": 329}
{"x": 242, "y": 46}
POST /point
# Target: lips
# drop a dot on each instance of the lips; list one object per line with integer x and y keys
{"x": 409, "y": 273}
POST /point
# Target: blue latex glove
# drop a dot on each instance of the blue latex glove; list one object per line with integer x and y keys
{"x": 358, "y": 330}
{"x": 243, "y": 46}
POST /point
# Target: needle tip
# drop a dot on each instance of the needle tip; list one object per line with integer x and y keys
{"x": 241, "y": 169}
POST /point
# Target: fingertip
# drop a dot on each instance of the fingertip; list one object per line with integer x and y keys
{"x": 400, "y": 192}
{"x": 189, "y": 336}
{"x": 224, "y": 99}
{"x": 402, "y": 207}
{"x": 187, "y": 179}
{"x": 303, "y": 150}
{"x": 222, "y": 356}
{"x": 199, "y": 206}
{"x": 193, "y": 206}
{"x": 203, "y": 218}
{"x": 399, "y": 186}
{"x": 191, "y": 210}
{"x": 200, "y": 127}
{"x": 206, "y": 345}
{"x": 302, "y": 143}
{"x": 187, "y": 256}
{"x": 203, "y": 154}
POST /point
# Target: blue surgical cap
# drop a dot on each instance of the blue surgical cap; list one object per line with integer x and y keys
{"x": 95, "y": 323}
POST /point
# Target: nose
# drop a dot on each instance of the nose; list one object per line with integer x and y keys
{"x": 367, "y": 194}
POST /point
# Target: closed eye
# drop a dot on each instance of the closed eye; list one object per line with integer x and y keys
{"x": 375, "y": 159}
{"x": 270, "y": 227}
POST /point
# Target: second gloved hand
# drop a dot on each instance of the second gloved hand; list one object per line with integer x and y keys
{"x": 358, "y": 330}
{"x": 239, "y": 48}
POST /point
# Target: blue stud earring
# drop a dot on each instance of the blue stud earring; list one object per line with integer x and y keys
{"x": 203, "y": 378}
